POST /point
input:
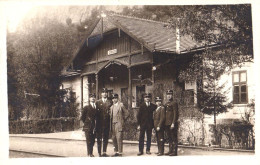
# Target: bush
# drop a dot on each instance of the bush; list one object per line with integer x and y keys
{"x": 43, "y": 125}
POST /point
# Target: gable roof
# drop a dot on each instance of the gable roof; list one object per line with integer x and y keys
{"x": 154, "y": 35}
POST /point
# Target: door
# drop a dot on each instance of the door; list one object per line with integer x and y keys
{"x": 124, "y": 96}
{"x": 140, "y": 91}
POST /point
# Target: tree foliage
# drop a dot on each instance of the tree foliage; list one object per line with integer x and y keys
{"x": 41, "y": 49}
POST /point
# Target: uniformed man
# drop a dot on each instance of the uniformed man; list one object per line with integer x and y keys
{"x": 88, "y": 117}
{"x": 171, "y": 123}
{"x": 103, "y": 122}
{"x": 119, "y": 115}
{"x": 145, "y": 123}
{"x": 159, "y": 119}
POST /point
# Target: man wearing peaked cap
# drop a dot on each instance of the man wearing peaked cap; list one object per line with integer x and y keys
{"x": 89, "y": 115}
{"x": 159, "y": 118}
{"x": 171, "y": 123}
{"x": 145, "y": 123}
{"x": 119, "y": 115}
{"x": 103, "y": 122}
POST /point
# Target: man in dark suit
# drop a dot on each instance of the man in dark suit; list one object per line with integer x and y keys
{"x": 88, "y": 117}
{"x": 103, "y": 122}
{"x": 171, "y": 123}
{"x": 145, "y": 123}
{"x": 159, "y": 119}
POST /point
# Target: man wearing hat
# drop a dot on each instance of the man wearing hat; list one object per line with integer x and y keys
{"x": 145, "y": 123}
{"x": 118, "y": 114}
{"x": 171, "y": 123}
{"x": 103, "y": 122}
{"x": 159, "y": 119}
{"x": 89, "y": 114}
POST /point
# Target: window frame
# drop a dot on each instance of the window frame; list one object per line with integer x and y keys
{"x": 239, "y": 84}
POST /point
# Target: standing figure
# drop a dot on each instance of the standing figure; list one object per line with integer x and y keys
{"x": 88, "y": 117}
{"x": 171, "y": 123}
{"x": 159, "y": 118}
{"x": 145, "y": 123}
{"x": 119, "y": 115}
{"x": 103, "y": 122}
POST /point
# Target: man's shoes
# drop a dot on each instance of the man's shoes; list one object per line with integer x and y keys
{"x": 140, "y": 153}
{"x": 148, "y": 152}
{"x": 116, "y": 154}
{"x": 168, "y": 153}
{"x": 91, "y": 155}
{"x": 99, "y": 154}
{"x": 160, "y": 154}
{"x": 119, "y": 155}
{"x": 172, "y": 154}
{"x": 104, "y": 155}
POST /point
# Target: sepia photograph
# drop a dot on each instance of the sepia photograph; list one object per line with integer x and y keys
{"x": 164, "y": 81}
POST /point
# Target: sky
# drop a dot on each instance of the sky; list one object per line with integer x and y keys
{"x": 15, "y": 12}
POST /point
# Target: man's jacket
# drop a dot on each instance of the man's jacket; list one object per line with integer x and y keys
{"x": 159, "y": 117}
{"x": 172, "y": 113}
{"x": 103, "y": 116}
{"x": 121, "y": 115}
{"x": 145, "y": 115}
{"x": 89, "y": 115}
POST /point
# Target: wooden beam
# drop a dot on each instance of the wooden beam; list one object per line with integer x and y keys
{"x": 97, "y": 86}
{"x": 129, "y": 89}
{"x": 119, "y": 32}
{"x": 81, "y": 92}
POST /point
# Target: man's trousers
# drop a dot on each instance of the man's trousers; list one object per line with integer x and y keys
{"x": 102, "y": 135}
{"x": 148, "y": 132}
{"x": 90, "y": 141}
{"x": 173, "y": 138}
{"x": 160, "y": 140}
{"x": 117, "y": 137}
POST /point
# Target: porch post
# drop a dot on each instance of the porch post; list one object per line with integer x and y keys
{"x": 96, "y": 85}
{"x": 81, "y": 92}
{"x": 129, "y": 89}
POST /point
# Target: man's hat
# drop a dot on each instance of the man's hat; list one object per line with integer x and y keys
{"x": 169, "y": 92}
{"x": 104, "y": 90}
{"x": 92, "y": 95}
{"x": 114, "y": 95}
{"x": 158, "y": 99}
{"x": 148, "y": 95}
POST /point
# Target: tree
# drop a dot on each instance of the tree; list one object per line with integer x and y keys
{"x": 14, "y": 101}
{"x": 42, "y": 47}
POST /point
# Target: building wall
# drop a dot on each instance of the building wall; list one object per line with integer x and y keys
{"x": 236, "y": 112}
{"x": 238, "y": 109}
{"x": 74, "y": 84}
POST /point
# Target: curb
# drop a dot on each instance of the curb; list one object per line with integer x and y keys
{"x": 136, "y": 143}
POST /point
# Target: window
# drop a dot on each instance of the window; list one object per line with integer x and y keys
{"x": 239, "y": 87}
{"x": 189, "y": 97}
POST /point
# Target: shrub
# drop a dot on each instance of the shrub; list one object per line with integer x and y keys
{"x": 43, "y": 125}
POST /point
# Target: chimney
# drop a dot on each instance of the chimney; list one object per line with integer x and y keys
{"x": 178, "y": 51}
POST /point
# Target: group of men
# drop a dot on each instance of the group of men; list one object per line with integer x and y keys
{"x": 163, "y": 119}
{"x": 99, "y": 118}
{"x": 102, "y": 116}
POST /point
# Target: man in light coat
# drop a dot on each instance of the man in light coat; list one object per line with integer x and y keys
{"x": 119, "y": 115}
